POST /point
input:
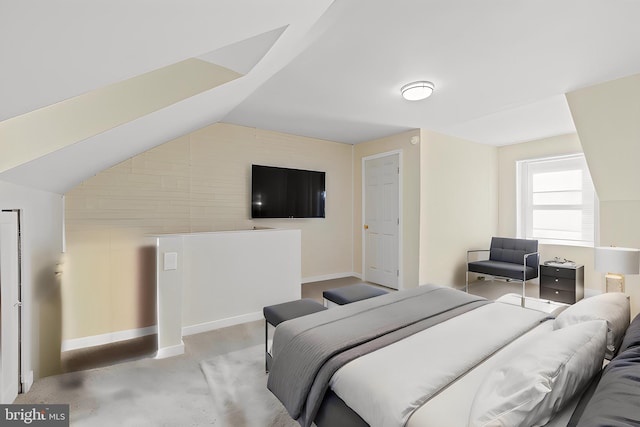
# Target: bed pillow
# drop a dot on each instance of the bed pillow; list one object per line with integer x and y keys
{"x": 535, "y": 385}
{"x": 612, "y": 307}
{"x": 631, "y": 336}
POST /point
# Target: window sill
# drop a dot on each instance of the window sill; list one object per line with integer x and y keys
{"x": 550, "y": 242}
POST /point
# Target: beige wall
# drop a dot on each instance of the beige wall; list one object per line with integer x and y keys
{"x": 458, "y": 206}
{"x": 507, "y": 157}
{"x": 606, "y": 118}
{"x": 199, "y": 182}
{"x": 410, "y": 159}
{"x": 619, "y": 227}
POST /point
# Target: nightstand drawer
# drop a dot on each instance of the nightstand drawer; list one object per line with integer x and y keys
{"x": 548, "y": 270}
{"x": 557, "y": 295}
{"x": 558, "y": 283}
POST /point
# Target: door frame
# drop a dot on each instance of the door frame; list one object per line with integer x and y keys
{"x": 23, "y": 323}
{"x": 400, "y": 218}
{"x": 24, "y": 316}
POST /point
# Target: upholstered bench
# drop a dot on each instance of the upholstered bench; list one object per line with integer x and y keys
{"x": 276, "y": 314}
{"x": 351, "y": 293}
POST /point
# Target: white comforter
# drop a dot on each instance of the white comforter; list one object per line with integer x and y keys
{"x": 386, "y": 386}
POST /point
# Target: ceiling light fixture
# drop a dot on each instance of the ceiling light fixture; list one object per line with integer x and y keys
{"x": 417, "y": 90}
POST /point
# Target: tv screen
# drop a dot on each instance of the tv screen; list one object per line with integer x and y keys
{"x": 286, "y": 193}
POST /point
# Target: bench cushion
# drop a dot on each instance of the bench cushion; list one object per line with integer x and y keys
{"x": 352, "y": 293}
{"x": 511, "y": 250}
{"x": 276, "y": 314}
{"x": 502, "y": 269}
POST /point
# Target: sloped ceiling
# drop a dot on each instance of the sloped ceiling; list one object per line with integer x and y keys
{"x": 607, "y": 118}
{"x": 95, "y": 65}
{"x": 319, "y": 68}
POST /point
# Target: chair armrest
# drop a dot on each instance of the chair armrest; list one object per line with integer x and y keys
{"x": 476, "y": 250}
{"x": 524, "y": 262}
{"x": 528, "y": 255}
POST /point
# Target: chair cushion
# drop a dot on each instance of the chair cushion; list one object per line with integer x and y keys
{"x": 352, "y": 293}
{"x": 502, "y": 269}
{"x": 513, "y": 250}
{"x": 276, "y": 314}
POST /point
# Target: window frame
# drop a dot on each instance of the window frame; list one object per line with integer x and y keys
{"x": 525, "y": 169}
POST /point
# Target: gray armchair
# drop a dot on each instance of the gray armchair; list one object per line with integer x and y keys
{"x": 512, "y": 259}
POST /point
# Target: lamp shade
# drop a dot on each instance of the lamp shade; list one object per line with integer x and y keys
{"x": 617, "y": 260}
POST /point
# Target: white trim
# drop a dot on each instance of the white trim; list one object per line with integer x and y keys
{"x": 330, "y": 277}
{"x": 400, "y": 212}
{"x": 222, "y": 323}
{"x": 109, "y": 338}
{"x": 27, "y": 382}
{"x": 353, "y": 207}
{"x": 174, "y": 350}
{"x": 64, "y": 225}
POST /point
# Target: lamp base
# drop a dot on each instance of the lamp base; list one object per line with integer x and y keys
{"x": 614, "y": 282}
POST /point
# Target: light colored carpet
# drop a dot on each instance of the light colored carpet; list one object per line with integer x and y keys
{"x": 145, "y": 392}
{"x": 238, "y": 386}
{"x": 227, "y": 390}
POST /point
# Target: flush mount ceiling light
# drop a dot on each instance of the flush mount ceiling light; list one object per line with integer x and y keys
{"x": 417, "y": 90}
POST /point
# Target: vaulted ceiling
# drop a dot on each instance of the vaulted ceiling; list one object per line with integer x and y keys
{"x": 87, "y": 84}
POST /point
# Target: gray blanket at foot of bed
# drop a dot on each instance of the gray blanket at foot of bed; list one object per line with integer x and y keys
{"x": 308, "y": 350}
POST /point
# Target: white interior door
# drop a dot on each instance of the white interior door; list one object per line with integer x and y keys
{"x": 9, "y": 307}
{"x": 382, "y": 219}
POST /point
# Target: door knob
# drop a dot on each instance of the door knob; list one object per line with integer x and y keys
{"x": 366, "y": 227}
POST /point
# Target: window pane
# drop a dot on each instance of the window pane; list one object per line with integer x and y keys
{"x": 557, "y": 181}
{"x": 558, "y": 198}
{"x": 560, "y": 220}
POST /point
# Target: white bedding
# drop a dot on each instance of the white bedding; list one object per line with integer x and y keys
{"x": 452, "y": 406}
{"x": 385, "y": 387}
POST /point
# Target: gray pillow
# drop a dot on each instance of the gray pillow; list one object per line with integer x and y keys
{"x": 632, "y": 336}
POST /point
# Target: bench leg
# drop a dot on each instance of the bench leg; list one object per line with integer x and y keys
{"x": 266, "y": 346}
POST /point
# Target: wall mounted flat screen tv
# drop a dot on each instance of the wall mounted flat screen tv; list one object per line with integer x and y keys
{"x": 286, "y": 193}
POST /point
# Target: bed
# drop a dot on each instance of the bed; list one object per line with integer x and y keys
{"x": 436, "y": 356}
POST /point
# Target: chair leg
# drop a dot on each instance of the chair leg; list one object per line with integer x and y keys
{"x": 466, "y": 281}
{"x": 523, "y": 291}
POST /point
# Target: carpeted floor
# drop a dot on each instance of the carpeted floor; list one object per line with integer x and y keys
{"x": 245, "y": 402}
{"x": 166, "y": 392}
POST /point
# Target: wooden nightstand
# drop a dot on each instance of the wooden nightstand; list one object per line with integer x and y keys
{"x": 562, "y": 283}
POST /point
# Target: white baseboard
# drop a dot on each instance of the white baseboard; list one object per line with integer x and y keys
{"x": 111, "y": 337}
{"x": 222, "y": 323}
{"x": 175, "y": 350}
{"x": 330, "y": 277}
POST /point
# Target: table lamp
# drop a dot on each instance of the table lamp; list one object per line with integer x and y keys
{"x": 616, "y": 262}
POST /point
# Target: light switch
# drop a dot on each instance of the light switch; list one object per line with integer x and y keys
{"x": 170, "y": 261}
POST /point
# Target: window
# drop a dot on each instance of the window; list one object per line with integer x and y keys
{"x": 556, "y": 201}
